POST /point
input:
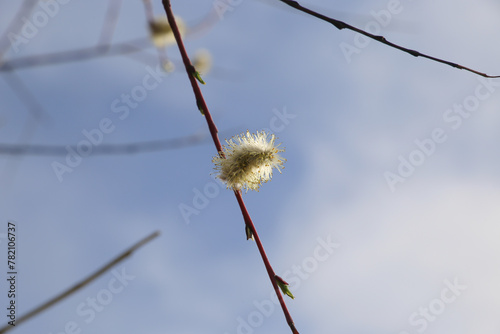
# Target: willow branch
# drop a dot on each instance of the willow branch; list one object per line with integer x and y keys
{"x": 381, "y": 39}
{"x": 202, "y": 106}
{"x": 267, "y": 264}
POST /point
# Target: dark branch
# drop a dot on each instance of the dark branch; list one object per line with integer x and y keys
{"x": 342, "y": 25}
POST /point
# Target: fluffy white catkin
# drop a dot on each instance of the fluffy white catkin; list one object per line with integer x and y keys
{"x": 249, "y": 160}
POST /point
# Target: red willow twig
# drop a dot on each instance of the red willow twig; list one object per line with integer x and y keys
{"x": 202, "y": 106}
{"x": 342, "y": 25}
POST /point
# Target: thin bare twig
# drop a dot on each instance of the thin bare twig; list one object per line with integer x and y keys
{"x": 103, "y": 149}
{"x": 342, "y": 25}
{"x": 132, "y": 46}
{"x": 15, "y": 25}
{"x": 82, "y": 283}
{"x": 110, "y": 21}
{"x": 202, "y": 106}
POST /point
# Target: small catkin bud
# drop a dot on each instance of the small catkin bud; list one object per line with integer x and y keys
{"x": 161, "y": 32}
{"x": 202, "y": 61}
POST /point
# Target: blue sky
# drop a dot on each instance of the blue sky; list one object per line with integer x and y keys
{"x": 418, "y": 255}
